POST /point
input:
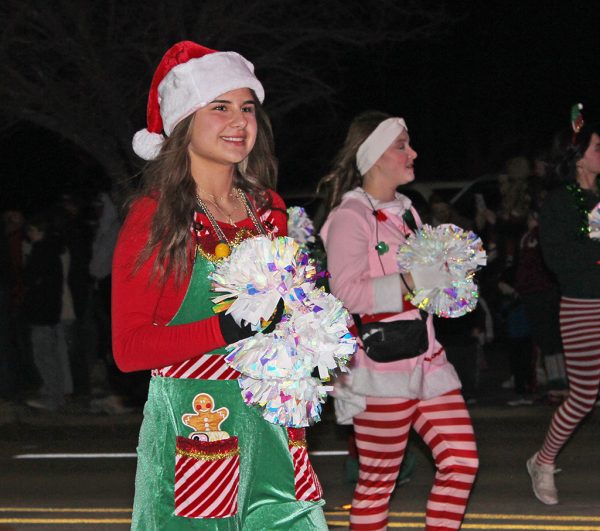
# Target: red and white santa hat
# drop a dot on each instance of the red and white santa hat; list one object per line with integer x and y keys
{"x": 188, "y": 77}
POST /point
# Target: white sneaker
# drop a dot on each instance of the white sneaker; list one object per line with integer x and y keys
{"x": 542, "y": 481}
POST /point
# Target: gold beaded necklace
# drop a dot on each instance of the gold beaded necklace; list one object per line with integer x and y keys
{"x": 223, "y": 248}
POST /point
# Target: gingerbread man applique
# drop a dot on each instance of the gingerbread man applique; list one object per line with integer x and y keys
{"x": 206, "y": 421}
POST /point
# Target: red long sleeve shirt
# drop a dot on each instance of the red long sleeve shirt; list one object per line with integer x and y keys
{"x": 142, "y": 307}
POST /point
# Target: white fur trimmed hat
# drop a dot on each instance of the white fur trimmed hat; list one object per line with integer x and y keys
{"x": 188, "y": 77}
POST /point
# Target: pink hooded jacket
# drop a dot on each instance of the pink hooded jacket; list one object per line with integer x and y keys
{"x": 369, "y": 283}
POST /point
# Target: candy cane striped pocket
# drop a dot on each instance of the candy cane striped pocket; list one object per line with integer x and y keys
{"x": 206, "y": 478}
{"x": 306, "y": 483}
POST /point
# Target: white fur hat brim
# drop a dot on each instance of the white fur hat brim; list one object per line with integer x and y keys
{"x": 194, "y": 84}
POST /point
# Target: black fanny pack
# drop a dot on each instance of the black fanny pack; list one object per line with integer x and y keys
{"x": 397, "y": 340}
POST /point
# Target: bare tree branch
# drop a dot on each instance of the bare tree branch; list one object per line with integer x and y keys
{"x": 83, "y": 72}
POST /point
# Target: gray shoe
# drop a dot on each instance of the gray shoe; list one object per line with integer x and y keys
{"x": 520, "y": 401}
{"x": 111, "y": 405}
{"x": 542, "y": 481}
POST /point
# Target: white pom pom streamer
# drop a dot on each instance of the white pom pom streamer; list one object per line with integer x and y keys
{"x": 274, "y": 365}
{"x": 257, "y": 274}
{"x": 294, "y": 403}
{"x": 594, "y": 218}
{"x": 277, "y": 367}
{"x": 315, "y": 335}
{"x": 300, "y": 226}
{"x": 443, "y": 261}
{"x": 321, "y": 327}
{"x": 268, "y": 356}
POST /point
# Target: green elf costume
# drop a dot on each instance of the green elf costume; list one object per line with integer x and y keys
{"x": 206, "y": 460}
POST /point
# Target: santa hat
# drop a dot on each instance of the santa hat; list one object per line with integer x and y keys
{"x": 188, "y": 77}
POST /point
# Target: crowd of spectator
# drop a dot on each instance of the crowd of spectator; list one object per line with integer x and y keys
{"x": 55, "y": 282}
{"x": 519, "y": 296}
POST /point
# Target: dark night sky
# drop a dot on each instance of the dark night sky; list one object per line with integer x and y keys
{"x": 498, "y": 82}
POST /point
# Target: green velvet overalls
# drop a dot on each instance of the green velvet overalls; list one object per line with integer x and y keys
{"x": 248, "y": 479}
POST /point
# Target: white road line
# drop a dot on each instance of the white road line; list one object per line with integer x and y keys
{"x": 132, "y": 455}
{"x": 76, "y": 456}
{"x": 329, "y": 452}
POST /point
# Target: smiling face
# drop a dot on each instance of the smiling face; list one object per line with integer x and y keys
{"x": 224, "y": 131}
{"x": 396, "y": 166}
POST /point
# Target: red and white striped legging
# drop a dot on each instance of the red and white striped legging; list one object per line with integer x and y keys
{"x": 381, "y": 433}
{"x": 580, "y": 330}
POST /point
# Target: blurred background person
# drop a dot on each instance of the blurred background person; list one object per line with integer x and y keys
{"x": 43, "y": 304}
{"x": 26, "y": 376}
{"x": 575, "y": 259}
{"x": 7, "y": 361}
{"x": 112, "y": 391}
{"x": 539, "y": 294}
{"x": 76, "y": 233}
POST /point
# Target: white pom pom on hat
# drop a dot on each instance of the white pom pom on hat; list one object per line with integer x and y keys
{"x": 146, "y": 144}
{"x": 188, "y": 77}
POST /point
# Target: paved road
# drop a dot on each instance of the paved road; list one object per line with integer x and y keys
{"x": 95, "y": 493}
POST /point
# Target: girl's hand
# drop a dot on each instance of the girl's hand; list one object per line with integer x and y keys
{"x": 231, "y": 331}
{"x": 275, "y": 318}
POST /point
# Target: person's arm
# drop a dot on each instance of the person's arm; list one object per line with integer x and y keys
{"x": 138, "y": 342}
{"x": 347, "y": 245}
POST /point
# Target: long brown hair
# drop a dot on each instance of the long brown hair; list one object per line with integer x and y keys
{"x": 344, "y": 174}
{"x": 169, "y": 180}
